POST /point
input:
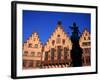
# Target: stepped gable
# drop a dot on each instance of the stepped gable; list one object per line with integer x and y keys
{"x": 58, "y": 39}
{"x": 85, "y": 44}
{"x": 32, "y": 51}
{"x": 85, "y": 37}
{"x": 58, "y": 32}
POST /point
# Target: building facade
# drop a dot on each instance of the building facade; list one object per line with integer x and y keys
{"x": 85, "y": 44}
{"x": 56, "y": 51}
{"x": 32, "y": 52}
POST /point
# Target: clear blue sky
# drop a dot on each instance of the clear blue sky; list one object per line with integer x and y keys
{"x": 44, "y": 23}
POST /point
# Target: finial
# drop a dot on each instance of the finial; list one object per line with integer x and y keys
{"x": 59, "y": 23}
{"x": 74, "y": 24}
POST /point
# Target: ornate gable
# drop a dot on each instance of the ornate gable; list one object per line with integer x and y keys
{"x": 32, "y": 51}
{"x": 85, "y": 38}
{"x": 59, "y": 41}
{"x": 58, "y": 38}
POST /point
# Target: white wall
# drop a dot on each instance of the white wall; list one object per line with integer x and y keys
{"x": 5, "y": 40}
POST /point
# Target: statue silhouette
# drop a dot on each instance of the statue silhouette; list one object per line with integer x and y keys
{"x": 76, "y": 52}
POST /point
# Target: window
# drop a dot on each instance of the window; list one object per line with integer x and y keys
{"x": 46, "y": 56}
{"x": 53, "y": 42}
{"x": 89, "y": 38}
{"x": 87, "y": 50}
{"x": 30, "y": 63}
{"x": 30, "y": 45}
{"x": 32, "y": 53}
{"x": 25, "y": 53}
{"x": 84, "y": 38}
{"x": 59, "y": 53}
{"x": 24, "y": 63}
{"x": 58, "y": 39}
{"x": 88, "y": 59}
{"x": 36, "y": 46}
{"x": 86, "y": 44}
{"x": 85, "y": 34}
{"x": 52, "y": 54}
{"x": 63, "y": 41}
{"x": 65, "y": 52}
{"x": 58, "y": 35}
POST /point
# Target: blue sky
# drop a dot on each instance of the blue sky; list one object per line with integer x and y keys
{"x": 44, "y": 23}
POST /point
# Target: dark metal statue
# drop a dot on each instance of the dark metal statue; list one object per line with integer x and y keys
{"x": 76, "y": 52}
